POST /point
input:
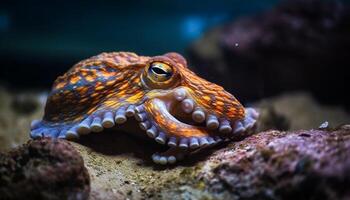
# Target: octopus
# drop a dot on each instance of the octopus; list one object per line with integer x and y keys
{"x": 171, "y": 104}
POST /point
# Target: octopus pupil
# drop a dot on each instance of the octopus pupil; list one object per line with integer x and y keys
{"x": 160, "y": 71}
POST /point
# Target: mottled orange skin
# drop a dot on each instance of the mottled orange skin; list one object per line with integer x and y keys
{"x": 110, "y": 80}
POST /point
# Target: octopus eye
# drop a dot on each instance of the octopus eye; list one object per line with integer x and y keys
{"x": 160, "y": 75}
{"x": 160, "y": 72}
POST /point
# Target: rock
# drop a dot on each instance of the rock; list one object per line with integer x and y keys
{"x": 43, "y": 169}
{"x": 299, "y": 165}
{"x": 17, "y": 110}
{"x": 120, "y": 166}
{"x": 313, "y": 164}
{"x": 27, "y": 103}
{"x": 299, "y": 45}
{"x": 263, "y": 166}
{"x": 296, "y": 111}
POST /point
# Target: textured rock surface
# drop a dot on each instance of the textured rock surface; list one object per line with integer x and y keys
{"x": 43, "y": 169}
{"x": 298, "y": 110}
{"x": 17, "y": 110}
{"x": 301, "y": 44}
{"x": 311, "y": 164}
{"x": 283, "y": 165}
{"x": 120, "y": 166}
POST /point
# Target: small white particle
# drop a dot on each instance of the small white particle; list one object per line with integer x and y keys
{"x": 324, "y": 125}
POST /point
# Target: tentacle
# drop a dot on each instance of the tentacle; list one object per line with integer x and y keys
{"x": 161, "y": 118}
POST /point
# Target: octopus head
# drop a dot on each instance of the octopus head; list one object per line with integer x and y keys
{"x": 185, "y": 110}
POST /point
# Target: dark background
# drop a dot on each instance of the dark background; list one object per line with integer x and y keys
{"x": 40, "y": 40}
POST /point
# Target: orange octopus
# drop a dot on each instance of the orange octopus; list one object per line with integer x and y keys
{"x": 172, "y": 104}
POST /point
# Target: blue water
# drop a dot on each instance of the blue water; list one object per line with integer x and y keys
{"x": 79, "y": 29}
